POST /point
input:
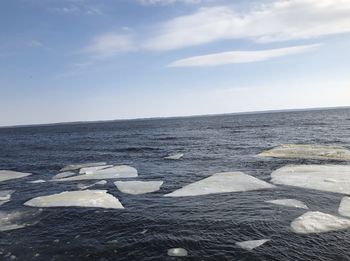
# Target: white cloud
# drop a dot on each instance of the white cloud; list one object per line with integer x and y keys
{"x": 280, "y": 20}
{"x": 168, "y": 2}
{"x": 240, "y": 56}
{"x": 109, "y": 44}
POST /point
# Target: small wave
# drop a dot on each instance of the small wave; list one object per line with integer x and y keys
{"x": 135, "y": 149}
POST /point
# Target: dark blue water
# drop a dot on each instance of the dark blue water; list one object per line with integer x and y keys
{"x": 207, "y": 226}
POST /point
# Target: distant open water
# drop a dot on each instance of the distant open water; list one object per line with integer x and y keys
{"x": 207, "y": 226}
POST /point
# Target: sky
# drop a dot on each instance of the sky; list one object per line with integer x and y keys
{"x": 86, "y": 60}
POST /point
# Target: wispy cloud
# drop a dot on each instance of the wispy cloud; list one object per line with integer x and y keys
{"x": 280, "y": 20}
{"x": 109, "y": 44}
{"x": 240, "y": 56}
{"x": 35, "y": 43}
{"x": 168, "y": 2}
{"x": 77, "y": 10}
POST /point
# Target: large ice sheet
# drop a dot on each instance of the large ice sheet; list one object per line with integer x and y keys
{"x": 310, "y": 151}
{"x": 288, "y": 202}
{"x": 83, "y": 165}
{"x": 84, "y": 198}
{"x": 9, "y": 174}
{"x": 10, "y": 220}
{"x": 318, "y": 222}
{"x": 91, "y": 170}
{"x": 344, "y": 207}
{"x": 221, "y": 183}
{"x": 122, "y": 171}
{"x": 138, "y": 187}
{"x": 331, "y": 178}
{"x": 176, "y": 156}
{"x": 63, "y": 175}
{"x": 251, "y": 244}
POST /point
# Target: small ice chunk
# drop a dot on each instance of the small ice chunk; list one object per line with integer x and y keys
{"x": 85, "y": 198}
{"x": 315, "y": 177}
{"x": 10, "y": 220}
{"x": 176, "y": 156}
{"x": 344, "y": 208}
{"x": 288, "y": 203}
{"x": 9, "y": 174}
{"x": 308, "y": 151}
{"x": 37, "y": 181}
{"x": 221, "y": 183}
{"x": 83, "y": 165}
{"x": 2, "y": 202}
{"x": 251, "y": 244}
{"x": 63, "y": 175}
{"x": 138, "y": 187}
{"x": 101, "y": 182}
{"x": 6, "y": 194}
{"x": 318, "y": 222}
{"x": 91, "y": 170}
{"x": 122, "y": 171}
{"x": 177, "y": 252}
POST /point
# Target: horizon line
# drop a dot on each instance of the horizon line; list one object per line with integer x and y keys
{"x": 175, "y": 117}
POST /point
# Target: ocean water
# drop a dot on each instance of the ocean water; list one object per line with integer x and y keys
{"x": 207, "y": 226}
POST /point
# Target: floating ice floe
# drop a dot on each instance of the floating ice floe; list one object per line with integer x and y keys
{"x": 84, "y": 198}
{"x": 101, "y": 182}
{"x": 37, "y": 181}
{"x": 221, "y": 183}
{"x": 344, "y": 208}
{"x": 288, "y": 203}
{"x": 321, "y": 152}
{"x": 63, "y": 175}
{"x": 122, "y": 171}
{"x": 10, "y": 220}
{"x": 176, "y": 156}
{"x": 5, "y": 196}
{"x": 331, "y": 178}
{"x": 318, "y": 222}
{"x": 251, "y": 244}
{"x": 83, "y": 165}
{"x": 177, "y": 252}
{"x": 9, "y": 174}
{"x": 138, "y": 187}
{"x": 91, "y": 170}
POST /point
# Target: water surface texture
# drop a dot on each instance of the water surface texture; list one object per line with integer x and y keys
{"x": 207, "y": 226}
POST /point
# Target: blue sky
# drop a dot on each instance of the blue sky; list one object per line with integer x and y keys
{"x": 77, "y": 60}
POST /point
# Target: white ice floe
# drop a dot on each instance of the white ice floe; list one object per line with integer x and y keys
{"x": 331, "y": 178}
{"x": 221, "y": 183}
{"x": 84, "y": 198}
{"x": 310, "y": 151}
{"x": 9, "y": 174}
{"x": 63, "y": 175}
{"x": 251, "y": 244}
{"x": 138, "y": 187}
{"x": 288, "y": 203}
{"x": 176, "y": 156}
{"x": 10, "y": 220}
{"x": 83, "y": 165}
{"x": 318, "y": 222}
{"x": 5, "y": 196}
{"x": 344, "y": 207}
{"x": 101, "y": 182}
{"x": 91, "y": 170}
{"x": 122, "y": 171}
{"x": 37, "y": 181}
{"x": 177, "y": 252}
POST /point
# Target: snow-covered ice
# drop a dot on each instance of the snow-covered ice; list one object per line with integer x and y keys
{"x": 176, "y": 156}
{"x": 83, "y": 165}
{"x": 10, "y": 220}
{"x": 63, "y": 175}
{"x": 308, "y": 151}
{"x": 251, "y": 244}
{"x": 318, "y": 222}
{"x": 84, "y": 198}
{"x": 331, "y": 178}
{"x": 288, "y": 203}
{"x": 122, "y": 171}
{"x": 177, "y": 252}
{"x": 344, "y": 207}
{"x": 37, "y": 181}
{"x": 5, "y": 196}
{"x": 91, "y": 170}
{"x": 221, "y": 183}
{"x": 9, "y": 174}
{"x": 101, "y": 182}
{"x": 138, "y": 187}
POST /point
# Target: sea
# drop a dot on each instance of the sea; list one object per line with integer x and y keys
{"x": 208, "y": 226}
